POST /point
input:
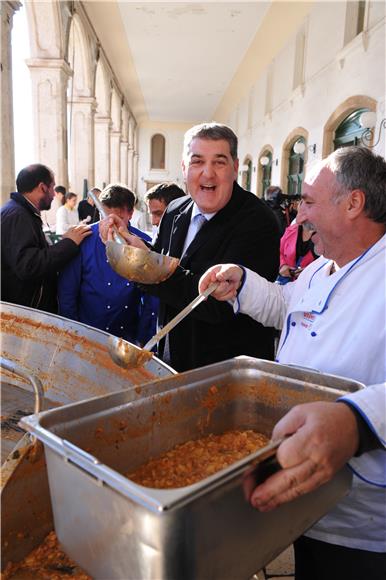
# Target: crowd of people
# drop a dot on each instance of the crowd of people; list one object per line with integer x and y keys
{"x": 315, "y": 272}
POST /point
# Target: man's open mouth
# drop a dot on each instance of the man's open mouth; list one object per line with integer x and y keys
{"x": 208, "y": 187}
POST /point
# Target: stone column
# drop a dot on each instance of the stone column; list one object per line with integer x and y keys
{"x": 115, "y": 156}
{"x": 49, "y": 77}
{"x": 130, "y": 166}
{"x": 135, "y": 172}
{"x": 124, "y": 172}
{"x": 7, "y": 151}
{"x": 81, "y": 142}
{"x": 102, "y": 150}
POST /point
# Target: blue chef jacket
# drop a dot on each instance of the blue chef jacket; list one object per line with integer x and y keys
{"x": 91, "y": 292}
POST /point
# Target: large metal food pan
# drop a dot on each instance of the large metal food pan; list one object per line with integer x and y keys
{"x": 73, "y": 363}
{"x": 117, "y": 529}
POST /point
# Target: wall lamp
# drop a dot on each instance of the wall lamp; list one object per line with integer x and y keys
{"x": 300, "y": 148}
{"x": 245, "y": 167}
{"x": 368, "y": 121}
{"x": 264, "y": 161}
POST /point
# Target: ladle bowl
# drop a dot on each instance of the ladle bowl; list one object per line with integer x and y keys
{"x": 139, "y": 265}
{"x": 128, "y": 355}
{"x": 135, "y": 264}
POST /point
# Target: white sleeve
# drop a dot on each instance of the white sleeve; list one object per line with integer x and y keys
{"x": 371, "y": 404}
{"x": 263, "y": 301}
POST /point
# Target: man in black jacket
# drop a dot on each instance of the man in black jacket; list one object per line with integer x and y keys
{"x": 29, "y": 265}
{"x": 236, "y": 224}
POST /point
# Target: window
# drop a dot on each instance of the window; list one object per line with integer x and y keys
{"x": 295, "y": 170}
{"x": 158, "y": 152}
{"x": 349, "y": 131}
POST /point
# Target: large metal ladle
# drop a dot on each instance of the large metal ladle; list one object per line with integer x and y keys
{"x": 128, "y": 355}
{"x": 135, "y": 264}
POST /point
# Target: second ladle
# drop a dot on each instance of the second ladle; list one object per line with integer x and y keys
{"x": 128, "y": 355}
{"x": 136, "y": 264}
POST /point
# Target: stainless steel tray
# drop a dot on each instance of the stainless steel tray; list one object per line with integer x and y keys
{"x": 115, "y": 528}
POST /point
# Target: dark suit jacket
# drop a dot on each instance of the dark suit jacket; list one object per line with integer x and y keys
{"x": 29, "y": 265}
{"x": 244, "y": 232}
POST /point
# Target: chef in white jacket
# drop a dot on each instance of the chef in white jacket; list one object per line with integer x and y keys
{"x": 333, "y": 319}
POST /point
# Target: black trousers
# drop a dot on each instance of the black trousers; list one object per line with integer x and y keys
{"x": 315, "y": 560}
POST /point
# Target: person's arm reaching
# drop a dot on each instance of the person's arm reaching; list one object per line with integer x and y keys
{"x": 263, "y": 301}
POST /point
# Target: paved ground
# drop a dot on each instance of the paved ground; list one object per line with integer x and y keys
{"x": 280, "y": 569}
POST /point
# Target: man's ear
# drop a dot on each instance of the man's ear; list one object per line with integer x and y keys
{"x": 131, "y": 213}
{"x": 355, "y": 203}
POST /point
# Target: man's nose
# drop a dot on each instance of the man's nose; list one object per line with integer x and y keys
{"x": 208, "y": 170}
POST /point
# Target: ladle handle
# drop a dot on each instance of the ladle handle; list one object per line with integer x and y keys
{"x": 174, "y": 321}
{"x": 118, "y": 238}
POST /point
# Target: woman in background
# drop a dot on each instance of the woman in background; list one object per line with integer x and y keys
{"x": 67, "y": 214}
{"x": 296, "y": 252}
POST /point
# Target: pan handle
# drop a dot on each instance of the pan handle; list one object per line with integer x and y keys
{"x": 37, "y": 386}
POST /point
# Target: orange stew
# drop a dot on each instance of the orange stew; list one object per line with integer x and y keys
{"x": 194, "y": 460}
{"x": 46, "y": 562}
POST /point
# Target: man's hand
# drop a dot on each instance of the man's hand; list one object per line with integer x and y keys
{"x": 112, "y": 224}
{"x": 229, "y": 277}
{"x": 324, "y": 436}
{"x": 78, "y": 233}
{"x": 285, "y": 271}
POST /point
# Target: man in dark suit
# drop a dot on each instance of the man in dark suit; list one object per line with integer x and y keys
{"x": 238, "y": 227}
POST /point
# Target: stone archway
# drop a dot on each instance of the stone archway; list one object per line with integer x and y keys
{"x": 81, "y": 107}
{"x": 341, "y": 112}
{"x": 49, "y": 75}
{"x": 102, "y": 124}
{"x": 115, "y": 136}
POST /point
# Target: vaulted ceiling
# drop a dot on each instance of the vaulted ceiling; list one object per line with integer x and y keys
{"x": 190, "y": 61}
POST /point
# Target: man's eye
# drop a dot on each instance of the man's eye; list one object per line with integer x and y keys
{"x": 195, "y": 161}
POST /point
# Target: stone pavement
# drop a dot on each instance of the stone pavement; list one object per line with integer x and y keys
{"x": 282, "y": 568}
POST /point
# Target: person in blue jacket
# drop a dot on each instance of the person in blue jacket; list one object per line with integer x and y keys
{"x": 91, "y": 292}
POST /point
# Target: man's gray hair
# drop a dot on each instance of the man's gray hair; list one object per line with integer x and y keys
{"x": 360, "y": 168}
{"x": 211, "y": 132}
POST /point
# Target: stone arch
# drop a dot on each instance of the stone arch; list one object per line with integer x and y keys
{"x": 260, "y": 169}
{"x": 286, "y": 149}
{"x": 115, "y": 107}
{"x": 115, "y": 135}
{"x": 102, "y": 89}
{"x": 79, "y": 58}
{"x": 81, "y": 108}
{"x": 341, "y": 112}
{"x": 46, "y": 31}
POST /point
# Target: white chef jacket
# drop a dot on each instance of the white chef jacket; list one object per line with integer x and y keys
{"x": 337, "y": 324}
